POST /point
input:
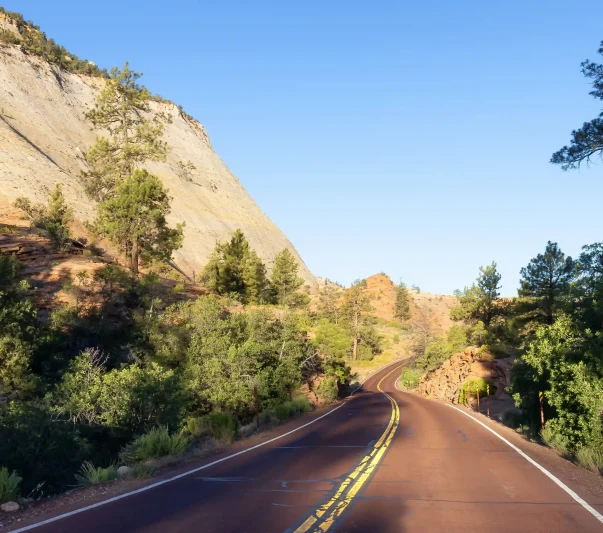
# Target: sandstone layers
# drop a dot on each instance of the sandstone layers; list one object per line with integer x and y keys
{"x": 44, "y": 135}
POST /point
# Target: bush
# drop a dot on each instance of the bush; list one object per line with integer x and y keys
{"x": 410, "y": 378}
{"x": 268, "y": 417}
{"x": 9, "y": 485}
{"x": 396, "y": 339}
{"x": 590, "y": 458}
{"x": 553, "y": 439}
{"x": 328, "y": 390}
{"x": 46, "y": 452}
{"x": 91, "y": 475}
{"x": 472, "y": 387}
{"x": 156, "y": 443}
{"x": 223, "y": 426}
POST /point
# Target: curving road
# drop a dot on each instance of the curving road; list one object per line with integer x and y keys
{"x": 383, "y": 461}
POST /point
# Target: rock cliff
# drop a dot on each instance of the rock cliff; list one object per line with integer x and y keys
{"x": 44, "y": 135}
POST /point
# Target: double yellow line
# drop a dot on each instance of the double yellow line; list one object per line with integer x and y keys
{"x": 324, "y": 517}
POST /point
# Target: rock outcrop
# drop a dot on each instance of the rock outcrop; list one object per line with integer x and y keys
{"x": 44, "y": 136}
{"x": 446, "y": 381}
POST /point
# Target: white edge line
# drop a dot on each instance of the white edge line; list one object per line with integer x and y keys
{"x": 552, "y": 477}
{"x": 188, "y": 472}
{"x": 548, "y": 474}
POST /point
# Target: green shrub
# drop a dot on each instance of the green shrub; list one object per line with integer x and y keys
{"x": 268, "y": 417}
{"x": 156, "y": 443}
{"x": 91, "y": 475}
{"x": 45, "y": 451}
{"x": 553, "y": 439}
{"x": 472, "y": 387}
{"x": 302, "y": 404}
{"x": 591, "y": 458}
{"x": 223, "y": 426}
{"x": 9, "y": 485}
{"x": 396, "y": 338}
{"x": 284, "y": 411}
{"x": 328, "y": 389}
{"x": 410, "y": 378}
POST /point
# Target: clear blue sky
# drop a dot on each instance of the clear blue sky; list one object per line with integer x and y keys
{"x": 405, "y": 137}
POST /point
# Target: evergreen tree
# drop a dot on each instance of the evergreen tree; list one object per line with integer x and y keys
{"x": 587, "y": 141}
{"x": 356, "y": 303}
{"x": 285, "y": 279}
{"x": 121, "y": 109}
{"x": 547, "y": 280}
{"x": 328, "y": 303}
{"x": 55, "y": 217}
{"x": 234, "y": 268}
{"x": 134, "y": 220}
{"x": 402, "y": 305}
{"x": 478, "y": 303}
{"x": 255, "y": 279}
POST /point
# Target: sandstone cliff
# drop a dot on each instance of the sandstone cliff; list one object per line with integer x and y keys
{"x": 44, "y": 135}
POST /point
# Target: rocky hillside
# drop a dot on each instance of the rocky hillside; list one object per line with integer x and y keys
{"x": 383, "y": 299}
{"x": 44, "y": 135}
{"x": 445, "y": 382}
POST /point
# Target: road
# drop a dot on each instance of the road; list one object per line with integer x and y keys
{"x": 385, "y": 461}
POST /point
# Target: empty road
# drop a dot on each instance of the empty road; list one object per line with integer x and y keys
{"x": 384, "y": 461}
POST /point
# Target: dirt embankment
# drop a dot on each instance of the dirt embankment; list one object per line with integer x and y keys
{"x": 446, "y": 381}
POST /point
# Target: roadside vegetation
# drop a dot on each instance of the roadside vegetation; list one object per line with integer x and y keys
{"x": 553, "y": 328}
{"x": 129, "y": 369}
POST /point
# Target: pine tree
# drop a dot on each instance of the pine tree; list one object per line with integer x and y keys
{"x": 478, "y": 303}
{"x": 255, "y": 279}
{"x": 355, "y": 305}
{"x": 285, "y": 279}
{"x": 122, "y": 108}
{"x": 402, "y": 305}
{"x": 328, "y": 303}
{"x": 235, "y": 268}
{"x": 547, "y": 279}
{"x": 133, "y": 218}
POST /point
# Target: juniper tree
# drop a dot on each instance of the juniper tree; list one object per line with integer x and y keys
{"x": 402, "y": 305}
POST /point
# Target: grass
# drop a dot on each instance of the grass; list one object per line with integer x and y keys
{"x": 286, "y": 410}
{"x": 9, "y": 485}
{"x": 140, "y": 471}
{"x": 218, "y": 425}
{"x": 91, "y": 475}
{"x": 156, "y": 443}
{"x": 590, "y": 458}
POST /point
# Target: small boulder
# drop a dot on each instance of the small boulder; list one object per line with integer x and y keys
{"x": 9, "y": 507}
{"x": 123, "y": 471}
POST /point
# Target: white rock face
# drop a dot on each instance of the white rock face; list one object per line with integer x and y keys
{"x": 9, "y": 507}
{"x": 44, "y": 135}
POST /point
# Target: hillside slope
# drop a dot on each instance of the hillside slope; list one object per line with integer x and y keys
{"x": 44, "y": 135}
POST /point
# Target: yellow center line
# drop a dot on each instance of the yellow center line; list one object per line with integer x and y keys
{"x": 324, "y": 515}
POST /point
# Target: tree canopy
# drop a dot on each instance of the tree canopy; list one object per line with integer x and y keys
{"x": 587, "y": 141}
{"x": 547, "y": 279}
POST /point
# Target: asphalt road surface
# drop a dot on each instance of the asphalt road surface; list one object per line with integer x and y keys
{"x": 385, "y": 461}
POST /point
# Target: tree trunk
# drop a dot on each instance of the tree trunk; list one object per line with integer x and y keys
{"x": 134, "y": 258}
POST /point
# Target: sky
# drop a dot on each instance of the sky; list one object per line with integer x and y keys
{"x": 411, "y": 138}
